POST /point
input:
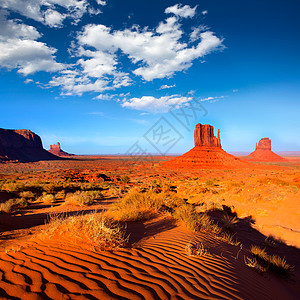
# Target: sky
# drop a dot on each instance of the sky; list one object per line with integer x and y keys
{"x": 109, "y": 77}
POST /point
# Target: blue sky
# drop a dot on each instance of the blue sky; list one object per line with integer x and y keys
{"x": 98, "y": 75}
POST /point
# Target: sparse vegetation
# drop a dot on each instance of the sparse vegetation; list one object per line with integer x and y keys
{"x": 100, "y": 231}
{"x": 195, "y": 221}
{"x": 83, "y": 198}
{"x": 197, "y": 249}
{"x": 274, "y": 263}
{"x": 27, "y": 195}
{"x": 48, "y": 199}
{"x": 7, "y": 207}
{"x": 138, "y": 205}
{"x": 229, "y": 222}
{"x": 125, "y": 179}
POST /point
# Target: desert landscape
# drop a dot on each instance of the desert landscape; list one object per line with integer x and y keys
{"x": 205, "y": 225}
{"x": 149, "y": 150}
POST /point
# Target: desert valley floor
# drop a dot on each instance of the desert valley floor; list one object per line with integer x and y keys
{"x": 247, "y": 245}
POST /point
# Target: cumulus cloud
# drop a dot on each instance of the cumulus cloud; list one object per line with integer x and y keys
{"x": 156, "y": 54}
{"x": 19, "y": 48}
{"x": 53, "y": 18}
{"x": 98, "y": 50}
{"x": 156, "y": 105}
{"x": 46, "y": 11}
{"x": 181, "y": 11}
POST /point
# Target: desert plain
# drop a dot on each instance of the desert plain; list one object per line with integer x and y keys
{"x": 118, "y": 227}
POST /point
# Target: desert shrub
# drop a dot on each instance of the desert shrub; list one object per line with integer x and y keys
{"x": 48, "y": 198}
{"x": 125, "y": 179}
{"x": 100, "y": 231}
{"x": 12, "y": 187}
{"x": 7, "y": 206}
{"x": 27, "y": 195}
{"x": 274, "y": 263}
{"x": 195, "y": 221}
{"x": 22, "y": 202}
{"x": 83, "y": 198}
{"x": 137, "y": 205}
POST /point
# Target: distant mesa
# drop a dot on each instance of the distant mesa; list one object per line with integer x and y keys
{"x": 207, "y": 152}
{"x": 263, "y": 153}
{"x": 56, "y": 150}
{"x": 23, "y": 146}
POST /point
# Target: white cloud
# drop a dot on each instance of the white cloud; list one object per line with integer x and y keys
{"x": 46, "y": 11}
{"x": 101, "y": 2}
{"x": 165, "y": 86}
{"x": 156, "y": 105}
{"x": 157, "y": 54}
{"x": 53, "y": 18}
{"x": 19, "y": 48}
{"x": 154, "y": 53}
{"x": 181, "y": 11}
{"x": 204, "y": 12}
{"x": 104, "y": 97}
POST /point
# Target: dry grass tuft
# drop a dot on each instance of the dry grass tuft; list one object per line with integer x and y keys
{"x": 100, "y": 231}
{"x": 253, "y": 264}
{"x": 195, "y": 221}
{"x": 138, "y": 205}
{"x": 229, "y": 222}
{"x": 83, "y": 198}
{"x": 196, "y": 250}
{"x": 274, "y": 263}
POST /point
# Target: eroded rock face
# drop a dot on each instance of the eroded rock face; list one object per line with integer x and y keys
{"x": 204, "y": 136}
{"x": 22, "y": 145}
{"x": 263, "y": 153}
{"x": 264, "y": 143}
{"x": 56, "y": 150}
{"x": 19, "y": 139}
{"x": 207, "y": 152}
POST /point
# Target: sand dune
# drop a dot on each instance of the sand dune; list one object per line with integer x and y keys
{"x": 154, "y": 268}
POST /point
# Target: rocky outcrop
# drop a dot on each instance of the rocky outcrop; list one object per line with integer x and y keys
{"x": 207, "y": 152}
{"x": 264, "y": 143}
{"x": 263, "y": 153}
{"x": 56, "y": 150}
{"x": 23, "y": 146}
{"x": 204, "y": 136}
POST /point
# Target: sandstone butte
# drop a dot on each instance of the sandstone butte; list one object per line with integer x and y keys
{"x": 23, "y": 146}
{"x": 56, "y": 150}
{"x": 207, "y": 152}
{"x": 264, "y": 153}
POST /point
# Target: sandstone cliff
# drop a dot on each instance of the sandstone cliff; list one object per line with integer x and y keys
{"x": 56, "y": 150}
{"x": 263, "y": 153}
{"x": 207, "y": 152}
{"x": 23, "y": 146}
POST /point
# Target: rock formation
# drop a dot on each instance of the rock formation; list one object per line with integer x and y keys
{"x": 264, "y": 153}
{"x": 204, "y": 136}
{"x": 56, "y": 150}
{"x": 23, "y": 146}
{"x": 207, "y": 152}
